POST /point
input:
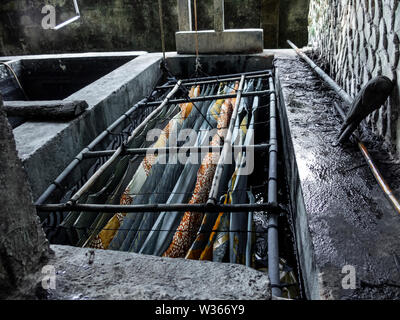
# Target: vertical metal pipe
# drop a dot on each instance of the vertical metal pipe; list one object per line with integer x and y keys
{"x": 273, "y": 246}
{"x": 212, "y": 198}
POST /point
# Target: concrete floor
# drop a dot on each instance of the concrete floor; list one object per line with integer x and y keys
{"x": 115, "y": 275}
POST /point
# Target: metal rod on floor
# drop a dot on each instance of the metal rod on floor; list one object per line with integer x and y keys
{"x": 273, "y": 245}
{"x": 212, "y": 198}
{"x": 213, "y": 97}
{"x": 93, "y": 178}
{"x": 179, "y": 207}
{"x": 166, "y": 150}
{"x": 74, "y": 163}
{"x": 343, "y": 94}
{"x": 375, "y": 171}
{"x": 264, "y": 75}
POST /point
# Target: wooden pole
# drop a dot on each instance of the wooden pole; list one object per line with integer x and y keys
{"x": 45, "y": 110}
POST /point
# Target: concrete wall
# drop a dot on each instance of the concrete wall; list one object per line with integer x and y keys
{"x": 360, "y": 40}
{"x": 126, "y": 25}
{"x": 106, "y": 25}
{"x": 23, "y": 247}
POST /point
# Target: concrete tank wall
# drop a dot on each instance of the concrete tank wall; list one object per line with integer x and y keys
{"x": 359, "y": 40}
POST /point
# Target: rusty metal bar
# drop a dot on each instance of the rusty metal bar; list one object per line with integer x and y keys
{"x": 96, "y": 208}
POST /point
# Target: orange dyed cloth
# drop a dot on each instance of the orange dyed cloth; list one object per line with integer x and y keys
{"x": 191, "y": 221}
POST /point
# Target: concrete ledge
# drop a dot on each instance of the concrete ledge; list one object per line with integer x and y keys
{"x": 228, "y": 41}
{"x": 183, "y": 65}
{"x": 124, "y": 275}
{"x": 133, "y": 54}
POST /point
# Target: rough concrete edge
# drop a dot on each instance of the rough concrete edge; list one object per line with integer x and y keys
{"x": 73, "y": 55}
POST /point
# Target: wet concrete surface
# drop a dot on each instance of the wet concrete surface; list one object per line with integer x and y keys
{"x": 346, "y": 218}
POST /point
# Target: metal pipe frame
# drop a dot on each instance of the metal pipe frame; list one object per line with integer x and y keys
{"x": 273, "y": 246}
{"x": 143, "y": 151}
{"x": 119, "y": 151}
{"x": 221, "y": 78}
{"x": 104, "y": 208}
{"x": 75, "y": 162}
{"x": 69, "y": 21}
{"x": 264, "y": 75}
{"x": 213, "y": 97}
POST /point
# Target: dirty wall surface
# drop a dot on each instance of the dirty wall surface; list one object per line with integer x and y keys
{"x": 128, "y": 25}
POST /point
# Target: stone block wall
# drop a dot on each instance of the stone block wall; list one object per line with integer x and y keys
{"x": 358, "y": 40}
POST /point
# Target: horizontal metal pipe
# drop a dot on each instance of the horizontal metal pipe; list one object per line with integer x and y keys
{"x": 214, "y": 97}
{"x": 104, "y": 153}
{"x": 65, "y": 207}
{"x": 216, "y": 80}
{"x": 250, "y": 73}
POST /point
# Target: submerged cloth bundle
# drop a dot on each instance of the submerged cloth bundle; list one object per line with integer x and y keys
{"x": 107, "y": 188}
{"x": 202, "y": 247}
{"x": 106, "y": 236}
{"x": 191, "y": 221}
{"x": 160, "y": 179}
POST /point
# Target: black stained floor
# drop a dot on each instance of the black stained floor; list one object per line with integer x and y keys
{"x": 350, "y": 221}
